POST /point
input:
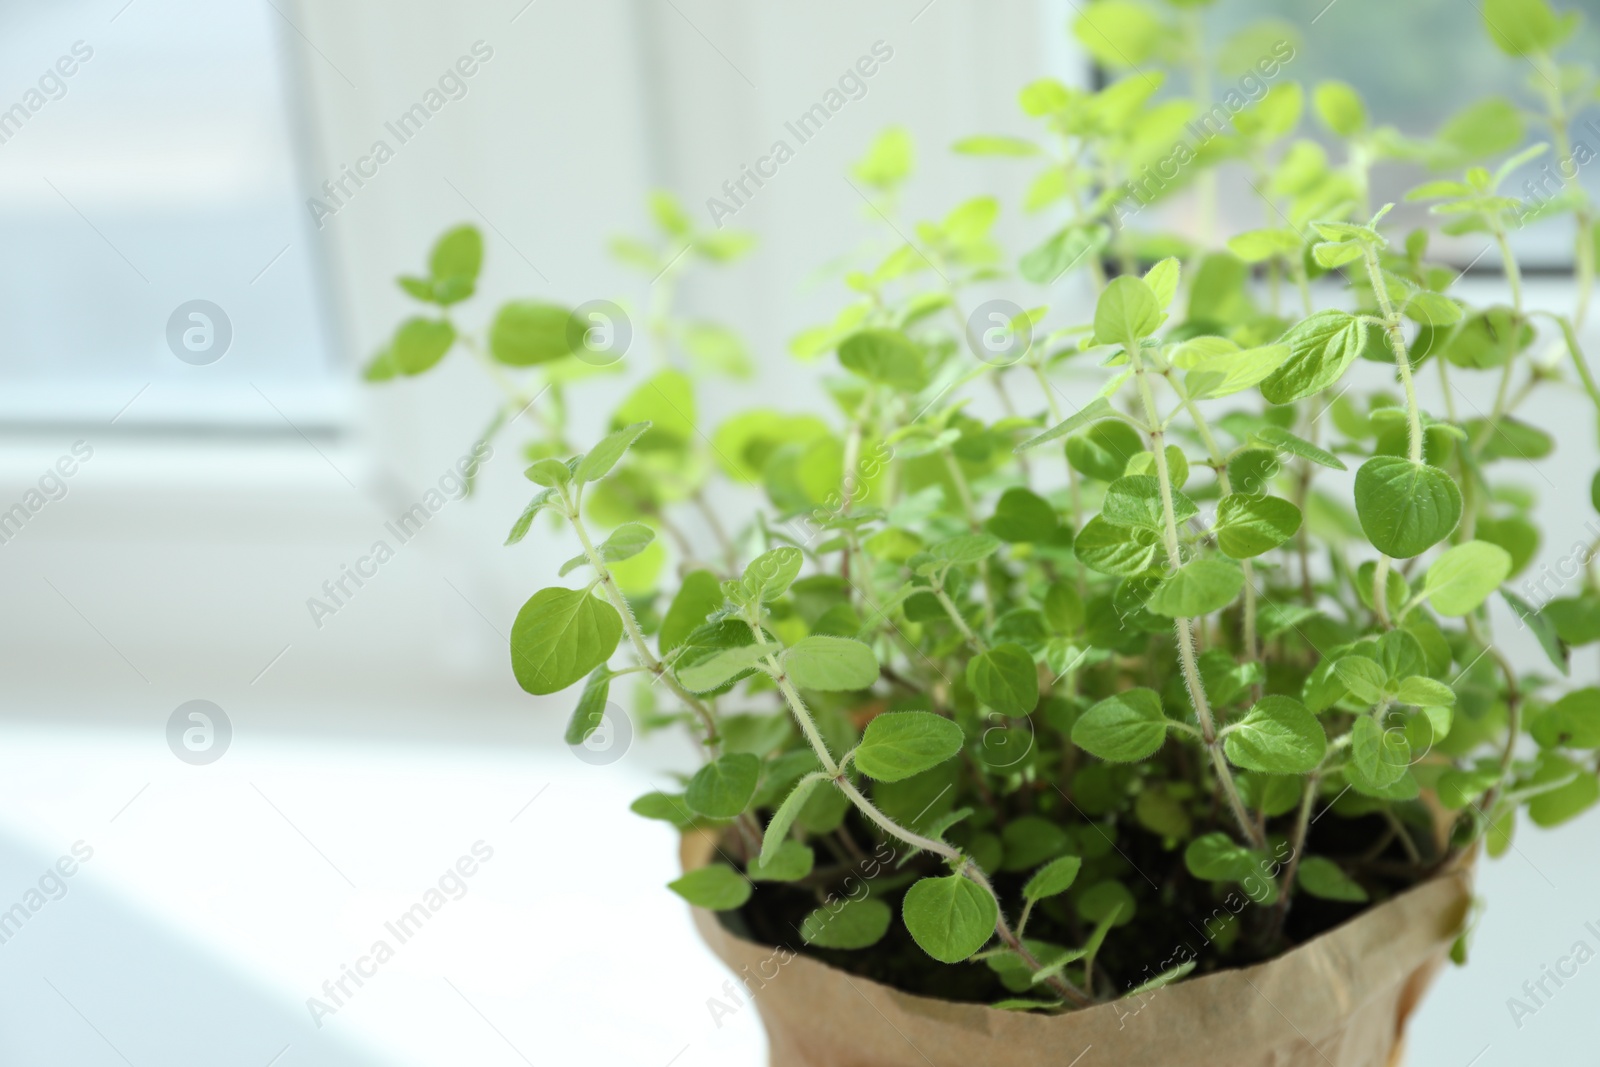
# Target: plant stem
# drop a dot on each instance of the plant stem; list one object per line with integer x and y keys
{"x": 797, "y": 708}
{"x": 1513, "y": 715}
{"x": 1402, "y": 361}
{"x": 967, "y": 868}
{"x": 955, "y": 616}
{"x": 963, "y": 490}
{"x": 1048, "y": 390}
{"x": 1302, "y": 827}
{"x": 1220, "y": 465}
{"x": 608, "y": 584}
{"x": 522, "y": 401}
{"x": 1380, "y": 591}
{"x": 1014, "y": 943}
{"x": 1549, "y": 86}
{"x": 1181, "y": 626}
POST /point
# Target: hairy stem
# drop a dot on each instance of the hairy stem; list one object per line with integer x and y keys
{"x": 871, "y": 811}
{"x": 1182, "y": 627}
{"x": 1297, "y": 848}
{"x": 1220, "y": 465}
{"x": 630, "y": 625}
{"x": 1402, "y": 361}
{"x": 955, "y": 616}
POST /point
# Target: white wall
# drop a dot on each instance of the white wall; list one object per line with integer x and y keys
{"x": 193, "y": 557}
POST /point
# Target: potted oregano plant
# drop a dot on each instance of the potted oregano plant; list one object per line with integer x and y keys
{"x": 1166, "y": 686}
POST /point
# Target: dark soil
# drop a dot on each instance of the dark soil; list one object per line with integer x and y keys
{"x": 1169, "y": 927}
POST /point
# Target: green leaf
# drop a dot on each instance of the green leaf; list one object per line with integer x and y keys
{"x": 1005, "y": 678}
{"x": 770, "y": 574}
{"x": 717, "y": 887}
{"x": 1123, "y": 728}
{"x": 1119, "y": 33}
{"x": 549, "y": 473}
{"x": 899, "y": 744}
{"x": 1257, "y": 246}
{"x": 1381, "y": 755}
{"x": 1459, "y": 788}
{"x": 1484, "y": 128}
{"x": 1464, "y": 576}
{"x": 1043, "y": 97}
{"x": 1098, "y": 408}
{"x": 1423, "y": 692}
{"x": 1571, "y": 722}
{"x": 1031, "y": 840}
{"x": 722, "y": 788}
{"x": 559, "y": 636}
{"x": 698, "y": 596}
{"x": 1126, "y": 313}
{"x": 1216, "y": 857}
{"x": 1340, "y": 108}
{"x": 1278, "y": 736}
{"x": 605, "y": 454}
{"x": 1524, "y": 28}
{"x": 887, "y": 357}
{"x": 1432, "y": 309}
{"x": 454, "y": 264}
{"x": 1104, "y": 451}
{"x": 778, "y": 828}
{"x": 1022, "y": 516}
{"x": 519, "y": 529}
{"x": 1321, "y": 877}
{"x": 1069, "y": 248}
{"x": 1165, "y": 978}
{"x": 888, "y": 160}
{"x": 1118, "y": 550}
{"x": 965, "y": 549}
{"x": 832, "y": 664}
{"x": 665, "y": 807}
{"x": 1284, "y": 441}
{"x": 1163, "y": 280}
{"x": 1053, "y": 879}
{"x": 1491, "y": 338}
{"x": 1321, "y": 349}
{"x": 588, "y": 716}
{"x": 994, "y": 145}
{"x": 668, "y": 214}
{"x": 1160, "y": 813}
{"x": 1576, "y": 618}
{"x": 1063, "y": 608}
{"x": 420, "y": 288}
{"x": 719, "y": 668}
{"x": 1564, "y": 802}
{"x": 1107, "y": 904}
{"x": 1509, "y": 438}
{"x": 1229, "y": 372}
{"x": 419, "y": 344}
{"x": 851, "y": 924}
{"x": 1247, "y": 526}
{"x": 791, "y": 862}
{"x": 1405, "y": 508}
{"x": 526, "y": 333}
{"x": 626, "y": 541}
{"x": 1197, "y": 588}
{"x": 1543, "y": 629}
{"x": 1144, "y": 464}
{"x": 950, "y": 918}
{"x": 1135, "y": 500}
{"x": 1362, "y": 677}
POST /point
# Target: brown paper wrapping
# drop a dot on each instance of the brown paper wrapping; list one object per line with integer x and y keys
{"x": 1340, "y": 1000}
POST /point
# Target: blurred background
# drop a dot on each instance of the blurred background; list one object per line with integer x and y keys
{"x": 203, "y": 152}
